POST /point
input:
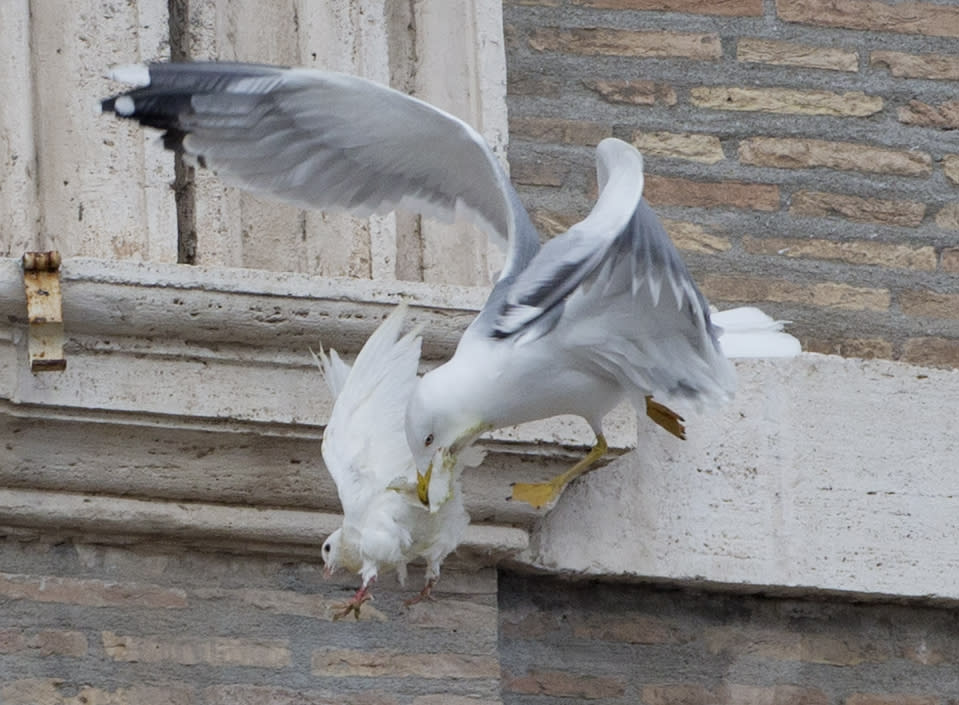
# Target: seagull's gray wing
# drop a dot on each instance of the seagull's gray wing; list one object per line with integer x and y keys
{"x": 617, "y": 292}
{"x": 320, "y": 139}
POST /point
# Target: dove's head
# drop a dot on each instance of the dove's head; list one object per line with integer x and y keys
{"x": 331, "y": 552}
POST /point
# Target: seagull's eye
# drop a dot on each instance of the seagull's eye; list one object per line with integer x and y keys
{"x": 326, "y": 548}
{"x": 429, "y": 440}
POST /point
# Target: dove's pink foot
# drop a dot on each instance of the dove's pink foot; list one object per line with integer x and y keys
{"x": 425, "y": 594}
{"x": 362, "y": 595}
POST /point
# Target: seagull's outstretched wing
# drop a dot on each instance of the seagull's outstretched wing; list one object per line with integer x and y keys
{"x": 326, "y": 140}
{"x": 364, "y": 445}
{"x": 621, "y": 293}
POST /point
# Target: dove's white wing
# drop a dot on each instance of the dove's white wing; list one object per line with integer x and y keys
{"x": 364, "y": 444}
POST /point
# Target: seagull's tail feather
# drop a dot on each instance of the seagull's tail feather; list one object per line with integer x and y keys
{"x": 748, "y": 332}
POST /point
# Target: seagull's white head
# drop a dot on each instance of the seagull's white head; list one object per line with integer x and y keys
{"x": 426, "y": 432}
{"x": 439, "y": 417}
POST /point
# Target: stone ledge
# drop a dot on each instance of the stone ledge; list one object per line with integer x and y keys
{"x": 826, "y": 475}
{"x": 240, "y": 529}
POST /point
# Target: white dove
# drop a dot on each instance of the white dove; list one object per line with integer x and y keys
{"x": 385, "y": 526}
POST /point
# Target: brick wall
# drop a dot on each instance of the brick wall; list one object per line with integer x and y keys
{"x": 802, "y": 153}
{"x": 566, "y": 642}
{"x": 94, "y": 625}
{"x": 84, "y": 624}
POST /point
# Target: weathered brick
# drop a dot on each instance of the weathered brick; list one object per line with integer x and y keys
{"x": 950, "y": 167}
{"x": 43, "y": 643}
{"x": 825, "y": 294}
{"x": 134, "y": 695}
{"x": 563, "y": 684}
{"x": 732, "y": 694}
{"x": 551, "y": 223}
{"x": 947, "y": 217}
{"x": 727, "y": 8}
{"x": 865, "y": 348}
{"x": 560, "y": 130}
{"x": 217, "y": 651}
{"x": 935, "y": 66}
{"x": 622, "y": 42}
{"x": 93, "y": 593}
{"x": 932, "y": 352}
{"x": 883, "y": 254}
{"x": 630, "y": 629}
{"x": 677, "y": 694}
{"x": 929, "y": 304}
{"x": 522, "y": 84}
{"x": 285, "y": 602}
{"x": 787, "y": 101}
{"x": 537, "y": 171}
{"x": 401, "y": 664}
{"x": 950, "y": 259}
{"x": 779, "y": 53}
{"x": 705, "y": 149}
{"x": 664, "y": 190}
{"x": 864, "y": 210}
{"x": 633, "y": 92}
{"x": 890, "y": 699}
{"x": 32, "y": 691}
{"x": 691, "y": 237}
{"x": 789, "y": 153}
{"x": 534, "y": 625}
{"x": 944, "y": 116}
{"x": 243, "y": 694}
{"x": 454, "y": 615}
{"x": 445, "y": 699}
{"x": 875, "y": 15}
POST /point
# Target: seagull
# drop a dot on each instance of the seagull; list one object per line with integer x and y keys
{"x": 384, "y": 524}
{"x": 603, "y": 312}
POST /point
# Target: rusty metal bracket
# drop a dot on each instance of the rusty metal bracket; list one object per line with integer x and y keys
{"x": 41, "y": 282}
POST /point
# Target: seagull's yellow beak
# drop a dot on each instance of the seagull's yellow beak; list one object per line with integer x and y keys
{"x": 423, "y": 485}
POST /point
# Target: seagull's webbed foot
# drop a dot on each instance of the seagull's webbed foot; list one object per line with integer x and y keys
{"x": 545, "y": 494}
{"x": 353, "y": 605}
{"x": 666, "y": 417}
{"x": 426, "y": 594}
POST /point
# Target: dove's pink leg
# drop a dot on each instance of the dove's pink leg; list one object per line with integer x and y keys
{"x": 425, "y": 593}
{"x": 362, "y": 595}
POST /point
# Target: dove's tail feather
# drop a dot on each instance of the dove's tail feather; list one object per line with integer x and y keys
{"x": 334, "y": 370}
{"x": 748, "y": 332}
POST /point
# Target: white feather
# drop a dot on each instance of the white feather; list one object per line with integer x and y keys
{"x": 748, "y": 332}
{"x": 384, "y": 524}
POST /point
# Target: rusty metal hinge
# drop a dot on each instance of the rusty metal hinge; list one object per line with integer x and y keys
{"x": 41, "y": 282}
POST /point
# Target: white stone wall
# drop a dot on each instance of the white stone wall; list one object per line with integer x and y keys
{"x": 90, "y": 185}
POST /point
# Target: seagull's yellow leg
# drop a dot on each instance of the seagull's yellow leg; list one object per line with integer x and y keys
{"x": 543, "y": 494}
{"x": 423, "y": 485}
{"x": 666, "y": 417}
